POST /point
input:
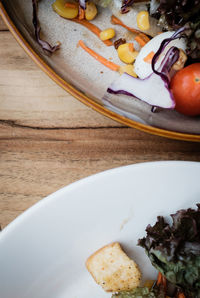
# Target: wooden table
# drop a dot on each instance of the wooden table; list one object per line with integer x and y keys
{"x": 48, "y": 139}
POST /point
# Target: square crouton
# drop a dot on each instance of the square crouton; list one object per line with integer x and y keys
{"x": 113, "y": 269}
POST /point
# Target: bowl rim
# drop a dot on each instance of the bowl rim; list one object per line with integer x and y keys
{"x": 81, "y": 96}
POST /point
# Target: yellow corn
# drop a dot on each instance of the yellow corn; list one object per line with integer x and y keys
{"x": 107, "y": 34}
{"x": 143, "y": 20}
{"x": 65, "y": 11}
{"x": 90, "y": 11}
{"x": 126, "y": 54}
{"x": 129, "y": 69}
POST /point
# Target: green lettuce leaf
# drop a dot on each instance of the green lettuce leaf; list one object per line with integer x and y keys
{"x": 175, "y": 249}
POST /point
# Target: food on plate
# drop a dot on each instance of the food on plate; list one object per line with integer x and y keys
{"x": 163, "y": 48}
{"x": 173, "y": 247}
{"x": 113, "y": 269}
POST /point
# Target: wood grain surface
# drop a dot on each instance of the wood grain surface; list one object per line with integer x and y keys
{"x": 48, "y": 139}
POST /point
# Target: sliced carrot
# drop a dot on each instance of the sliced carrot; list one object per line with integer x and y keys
{"x": 142, "y": 39}
{"x": 159, "y": 278}
{"x": 81, "y": 15}
{"x": 149, "y": 57}
{"x": 162, "y": 281}
{"x": 70, "y": 5}
{"x": 94, "y": 29}
{"x": 116, "y": 21}
{"x": 98, "y": 57}
{"x": 131, "y": 47}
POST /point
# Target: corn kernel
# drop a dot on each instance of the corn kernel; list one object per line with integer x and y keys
{"x": 90, "y": 11}
{"x": 107, "y": 34}
{"x": 126, "y": 54}
{"x": 143, "y": 20}
{"x": 129, "y": 69}
{"x": 68, "y": 12}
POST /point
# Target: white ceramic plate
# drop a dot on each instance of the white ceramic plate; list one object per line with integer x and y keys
{"x": 43, "y": 252}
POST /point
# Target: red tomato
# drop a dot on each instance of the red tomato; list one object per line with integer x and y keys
{"x": 185, "y": 86}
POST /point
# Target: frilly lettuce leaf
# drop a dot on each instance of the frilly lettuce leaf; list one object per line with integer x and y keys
{"x": 175, "y": 249}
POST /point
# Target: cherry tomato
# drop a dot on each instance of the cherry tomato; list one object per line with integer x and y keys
{"x": 185, "y": 86}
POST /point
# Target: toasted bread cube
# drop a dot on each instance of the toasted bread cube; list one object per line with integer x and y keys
{"x": 113, "y": 269}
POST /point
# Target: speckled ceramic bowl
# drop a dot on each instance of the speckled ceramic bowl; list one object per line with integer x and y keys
{"x": 85, "y": 78}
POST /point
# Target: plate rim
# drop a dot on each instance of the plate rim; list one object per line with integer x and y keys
{"x": 84, "y": 180}
{"x": 81, "y": 96}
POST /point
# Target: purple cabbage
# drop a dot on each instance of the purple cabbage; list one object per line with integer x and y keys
{"x": 44, "y": 44}
{"x": 164, "y": 43}
{"x": 125, "y": 5}
{"x": 154, "y": 89}
{"x": 82, "y": 4}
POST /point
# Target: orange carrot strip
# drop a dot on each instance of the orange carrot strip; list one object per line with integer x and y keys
{"x": 142, "y": 39}
{"x": 131, "y": 47}
{"x": 149, "y": 57}
{"x": 164, "y": 282}
{"x": 98, "y": 57}
{"x": 116, "y": 21}
{"x": 81, "y": 15}
{"x": 159, "y": 278}
{"x": 70, "y": 5}
{"x": 92, "y": 28}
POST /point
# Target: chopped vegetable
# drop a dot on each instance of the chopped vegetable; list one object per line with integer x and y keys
{"x": 81, "y": 13}
{"x": 126, "y": 53}
{"x": 99, "y": 58}
{"x": 65, "y": 10}
{"x": 107, "y": 34}
{"x": 129, "y": 69}
{"x": 125, "y": 5}
{"x": 174, "y": 249}
{"x": 172, "y": 58}
{"x": 82, "y": 4}
{"x": 181, "y": 61}
{"x": 142, "y": 39}
{"x": 143, "y": 20}
{"x": 94, "y": 29}
{"x": 44, "y": 44}
{"x": 142, "y": 89}
{"x": 116, "y": 21}
{"x": 185, "y": 86}
{"x": 149, "y": 57}
{"x": 144, "y": 69}
{"x": 90, "y": 11}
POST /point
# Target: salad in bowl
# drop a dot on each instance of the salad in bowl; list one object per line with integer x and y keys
{"x": 162, "y": 57}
